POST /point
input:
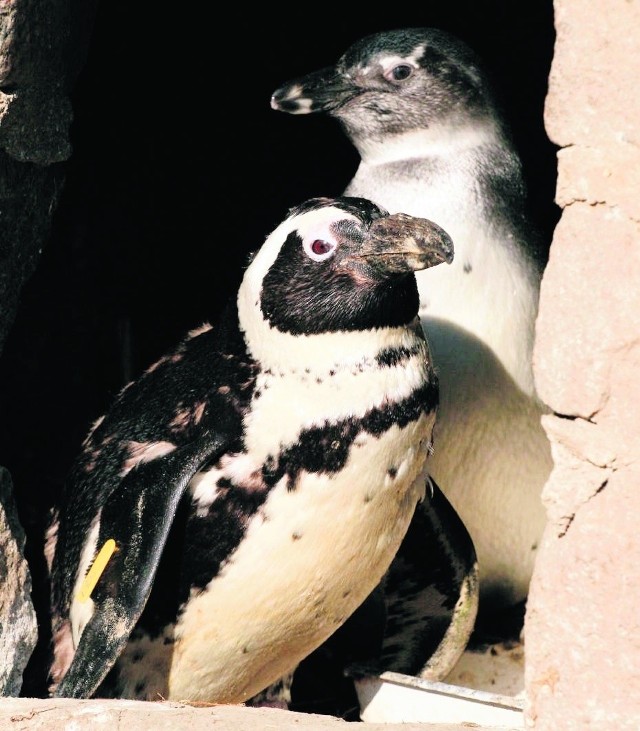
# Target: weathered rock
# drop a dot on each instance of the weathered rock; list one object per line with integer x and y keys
{"x": 18, "y": 626}
{"x": 22, "y": 714}
{"x": 583, "y": 625}
{"x": 42, "y": 48}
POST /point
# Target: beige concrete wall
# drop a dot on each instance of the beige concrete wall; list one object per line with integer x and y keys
{"x": 583, "y": 619}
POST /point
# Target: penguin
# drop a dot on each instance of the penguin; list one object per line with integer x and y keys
{"x": 434, "y": 141}
{"x": 244, "y": 496}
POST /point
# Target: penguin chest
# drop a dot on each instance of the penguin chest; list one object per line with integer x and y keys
{"x": 491, "y": 290}
{"x": 341, "y": 495}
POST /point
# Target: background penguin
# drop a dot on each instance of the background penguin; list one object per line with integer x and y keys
{"x": 257, "y": 481}
{"x": 433, "y": 142}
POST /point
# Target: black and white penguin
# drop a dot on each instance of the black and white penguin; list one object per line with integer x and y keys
{"x": 246, "y": 494}
{"x": 433, "y": 142}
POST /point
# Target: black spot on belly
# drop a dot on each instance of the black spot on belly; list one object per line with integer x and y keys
{"x": 467, "y": 268}
{"x": 392, "y": 472}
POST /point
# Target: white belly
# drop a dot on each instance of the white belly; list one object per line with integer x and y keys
{"x": 307, "y": 561}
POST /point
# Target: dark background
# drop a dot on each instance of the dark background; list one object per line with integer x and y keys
{"x": 179, "y": 169}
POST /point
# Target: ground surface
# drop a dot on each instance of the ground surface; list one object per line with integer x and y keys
{"x": 26, "y": 714}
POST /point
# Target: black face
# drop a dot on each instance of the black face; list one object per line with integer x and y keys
{"x": 337, "y": 281}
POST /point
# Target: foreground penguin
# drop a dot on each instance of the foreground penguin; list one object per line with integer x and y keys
{"x": 434, "y": 143}
{"x": 247, "y": 493}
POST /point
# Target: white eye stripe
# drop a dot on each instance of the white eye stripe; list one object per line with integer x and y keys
{"x": 412, "y": 59}
{"x": 316, "y": 222}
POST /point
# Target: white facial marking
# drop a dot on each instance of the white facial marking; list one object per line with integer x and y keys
{"x": 389, "y": 62}
{"x": 303, "y": 104}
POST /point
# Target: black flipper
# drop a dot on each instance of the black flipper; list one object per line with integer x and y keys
{"x": 431, "y": 591}
{"x": 138, "y": 516}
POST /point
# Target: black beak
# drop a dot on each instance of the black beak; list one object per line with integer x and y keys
{"x": 319, "y": 91}
{"x": 400, "y": 243}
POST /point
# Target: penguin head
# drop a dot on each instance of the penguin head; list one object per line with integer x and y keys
{"x": 393, "y": 82}
{"x": 339, "y": 265}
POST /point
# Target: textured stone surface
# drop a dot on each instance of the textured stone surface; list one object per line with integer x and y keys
{"x": 583, "y": 624}
{"x": 42, "y": 48}
{"x": 35, "y": 113}
{"x": 18, "y": 628}
{"x": 70, "y": 715}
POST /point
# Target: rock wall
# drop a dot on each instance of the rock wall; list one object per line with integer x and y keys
{"x": 583, "y": 618}
{"x": 18, "y": 627}
{"x": 42, "y": 48}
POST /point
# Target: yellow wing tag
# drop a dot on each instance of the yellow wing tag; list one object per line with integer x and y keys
{"x": 96, "y": 570}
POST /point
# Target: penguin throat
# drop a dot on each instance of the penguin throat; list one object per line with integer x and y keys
{"x": 278, "y": 350}
{"x": 437, "y": 141}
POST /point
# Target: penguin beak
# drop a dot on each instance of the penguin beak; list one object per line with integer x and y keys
{"x": 319, "y": 91}
{"x": 399, "y": 244}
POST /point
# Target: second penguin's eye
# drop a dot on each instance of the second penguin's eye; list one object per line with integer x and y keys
{"x": 399, "y": 73}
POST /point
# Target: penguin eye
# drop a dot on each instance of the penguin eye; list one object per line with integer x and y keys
{"x": 320, "y": 249}
{"x": 399, "y": 73}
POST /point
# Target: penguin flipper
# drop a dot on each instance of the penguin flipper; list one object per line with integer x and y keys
{"x": 137, "y": 516}
{"x": 432, "y": 593}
